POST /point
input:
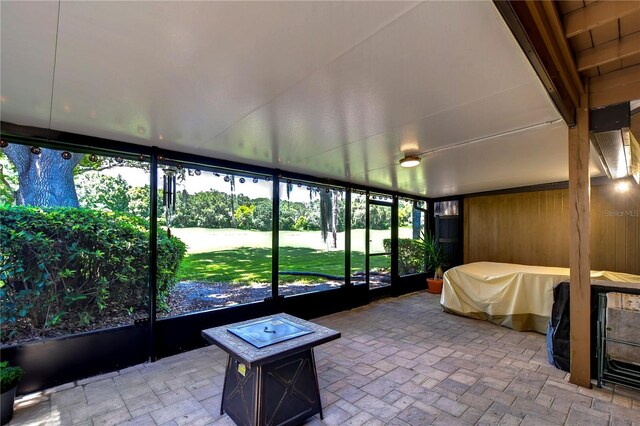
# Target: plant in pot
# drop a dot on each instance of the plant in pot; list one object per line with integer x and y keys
{"x": 435, "y": 259}
{"x": 9, "y": 378}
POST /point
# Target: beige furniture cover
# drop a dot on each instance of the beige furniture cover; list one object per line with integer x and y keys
{"x": 515, "y": 296}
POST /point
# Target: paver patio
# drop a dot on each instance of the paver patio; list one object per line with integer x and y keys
{"x": 400, "y": 361}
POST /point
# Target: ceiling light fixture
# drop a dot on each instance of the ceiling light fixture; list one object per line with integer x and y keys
{"x": 410, "y": 161}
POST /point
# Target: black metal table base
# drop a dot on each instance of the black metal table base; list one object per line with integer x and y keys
{"x": 282, "y": 392}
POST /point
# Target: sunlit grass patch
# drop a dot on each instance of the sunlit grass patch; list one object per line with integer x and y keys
{"x": 247, "y": 265}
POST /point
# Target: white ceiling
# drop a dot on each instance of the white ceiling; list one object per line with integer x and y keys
{"x": 332, "y": 89}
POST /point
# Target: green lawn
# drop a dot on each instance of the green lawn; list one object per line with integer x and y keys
{"x": 204, "y": 240}
{"x": 246, "y": 265}
{"x": 240, "y": 256}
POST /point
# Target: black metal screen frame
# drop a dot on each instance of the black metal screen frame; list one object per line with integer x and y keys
{"x": 162, "y": 336}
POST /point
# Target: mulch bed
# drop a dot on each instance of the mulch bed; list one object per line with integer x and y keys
{"x": 191, "y": 296}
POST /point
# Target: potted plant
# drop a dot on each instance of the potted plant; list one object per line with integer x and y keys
{"x": 9, "y": 378}
{"x": 435, "y": 259}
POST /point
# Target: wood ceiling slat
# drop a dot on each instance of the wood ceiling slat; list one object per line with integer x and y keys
{"x": 569, "y": 6}
{"x": 629, "y": 24}
{"x": 615, "y": 79}
{"x": 597, "y": 14}
{"x": 615, "y": 87}
{"x": 593, "y": 72}
{"x": 629, "y": 62}
{"x": 581, "y": 42}
{"x": 605, "y": 33}
{"x": 610, "y": 67}
{"x": 608, "y": 52}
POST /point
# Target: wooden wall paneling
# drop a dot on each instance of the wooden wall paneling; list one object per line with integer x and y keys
{"x": 526, "y": 219}
{"x": 563, "y": 226}
{"x": 608, "y": 224}
{"x": 507, "y": 221}
{"x": 620, "y": 222}
{"x": 465, "y": 230}
{"x": 551, "y": 221}
{"x": 482, "y": 225}
{"x": 632, "y": 231}
{"x": 532, "y": 205}
{"x": 632, "y": 251}
{"x": 492, "y": 236}
{"x": 520, "y": 249}
{"x": 597, "y": 236}
{"x": 533, "y": 229}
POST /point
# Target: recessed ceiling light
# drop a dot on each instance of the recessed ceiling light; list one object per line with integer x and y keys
{"x": 410, "y": 161}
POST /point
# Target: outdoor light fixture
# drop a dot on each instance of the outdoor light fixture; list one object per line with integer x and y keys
{"x": 615, "y": 143}
{"x": 410, "y": 161}
{"x": 623, "y": 186}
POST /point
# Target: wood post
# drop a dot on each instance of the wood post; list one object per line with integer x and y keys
{"x": 579, "y": 249}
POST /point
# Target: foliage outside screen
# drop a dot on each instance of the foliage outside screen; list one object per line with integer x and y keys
{"x": 411, "y": 255}
{"x": 75, "y": 267}
{"x": 9, "y": 376}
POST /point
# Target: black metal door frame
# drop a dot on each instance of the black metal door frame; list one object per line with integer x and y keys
{"x": 393, "y": 205}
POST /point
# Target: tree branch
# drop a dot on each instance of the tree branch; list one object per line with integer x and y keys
{"x": 18, "y": 155}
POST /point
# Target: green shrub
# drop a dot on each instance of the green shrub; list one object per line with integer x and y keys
{"x": 75, "y": 266}
{"x": 9, "y": 376}
{"x": 411, "y": 255}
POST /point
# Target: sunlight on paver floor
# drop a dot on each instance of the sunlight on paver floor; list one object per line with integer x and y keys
{"x": 400, "y": 361}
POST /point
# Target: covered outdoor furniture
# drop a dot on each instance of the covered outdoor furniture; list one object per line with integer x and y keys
{"x": 515, "y": 296}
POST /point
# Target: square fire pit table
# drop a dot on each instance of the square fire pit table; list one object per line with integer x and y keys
{"x": 271, "y": 376}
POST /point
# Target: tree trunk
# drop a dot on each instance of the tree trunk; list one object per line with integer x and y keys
{"x": 232, "y": 183}
{"x": 46, "y": 179}
{"x": 328, "y": 218}
{"x": 416, "y": 215}
{"x": 334, "y": 221}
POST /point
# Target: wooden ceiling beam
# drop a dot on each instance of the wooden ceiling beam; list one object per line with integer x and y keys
{"x": 537, "y": 28}
{"x": 557, "y": 39}
{"x": 546, "y": 33}
{"x": 609, "y": 52}
{"x": 615, "y": 87}
{"x": 596, "y": 14}
{"x": 520, "y": 20}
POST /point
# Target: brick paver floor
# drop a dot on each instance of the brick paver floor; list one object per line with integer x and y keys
{"x": 400, "y": 361}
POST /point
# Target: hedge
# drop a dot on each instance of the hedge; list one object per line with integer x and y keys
{"x": 77, "y": 266}
{"x": 411, "y": 255}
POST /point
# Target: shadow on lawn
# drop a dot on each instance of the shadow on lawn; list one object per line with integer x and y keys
{"x": 232, "y": 277}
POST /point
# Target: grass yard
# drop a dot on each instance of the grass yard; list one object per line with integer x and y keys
{"x": 247, "y": 265}
{"x": 204, "y": 240}
{"x": 244, "y": 257}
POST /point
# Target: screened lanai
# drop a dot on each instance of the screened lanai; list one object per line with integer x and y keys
{"x": 170, "y": 167}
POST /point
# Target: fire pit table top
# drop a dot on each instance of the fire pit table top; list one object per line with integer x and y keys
{"x": 262, "y": 346}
